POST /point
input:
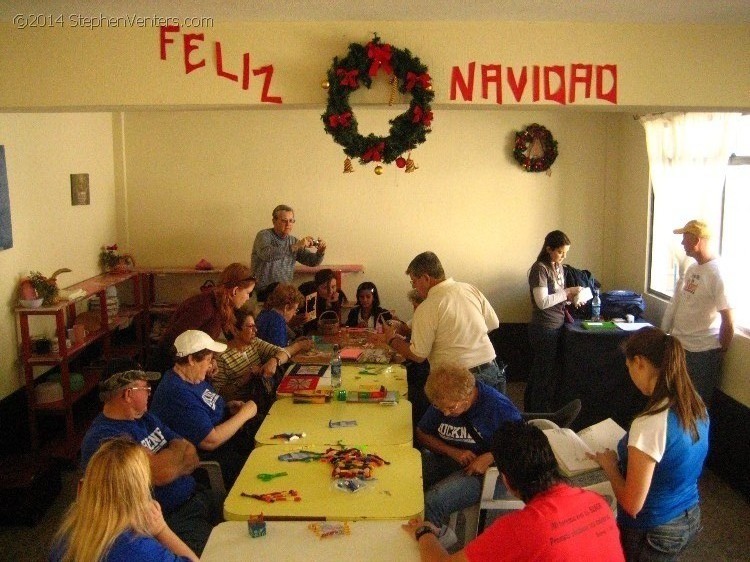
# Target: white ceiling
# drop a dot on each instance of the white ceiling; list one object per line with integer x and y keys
{"x": 651, "y": 11}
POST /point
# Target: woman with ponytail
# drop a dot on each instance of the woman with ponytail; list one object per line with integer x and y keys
{"x": 211, "y": 311}
{"x": 662, "y": 455}
{"x": 114, "y": 516}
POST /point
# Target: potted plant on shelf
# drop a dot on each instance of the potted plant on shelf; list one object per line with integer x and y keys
{"x": 111, "y": 260}
{"x": 45, "y": 287}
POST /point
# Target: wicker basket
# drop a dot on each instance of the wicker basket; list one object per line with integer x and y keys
{"x": 327, "y": 324}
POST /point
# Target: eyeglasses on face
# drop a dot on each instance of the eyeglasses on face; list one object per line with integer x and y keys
{"x": 146, "y": 388}
{"x": 287, "y": 221}
{"x": 454, "y": 407}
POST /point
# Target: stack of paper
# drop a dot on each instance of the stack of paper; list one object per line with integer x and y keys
{"x": 570, "y": 448}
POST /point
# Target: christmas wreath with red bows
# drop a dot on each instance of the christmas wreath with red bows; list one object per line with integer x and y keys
{"x": 358, "y": 68}
{"x": 535, "y": 148}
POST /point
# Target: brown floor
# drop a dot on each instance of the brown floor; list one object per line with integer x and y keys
{"x": 725, "y": 535}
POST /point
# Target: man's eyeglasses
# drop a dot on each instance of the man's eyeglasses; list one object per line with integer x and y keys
{"x": 287, "y": 221}
{"x": 146, "y": 388}
{"x": 456, "y": 406}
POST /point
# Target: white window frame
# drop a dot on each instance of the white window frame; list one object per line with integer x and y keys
{"x": 730, "y": 213}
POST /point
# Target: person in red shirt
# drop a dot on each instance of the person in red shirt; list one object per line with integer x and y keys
{"x": 559, "y": 523}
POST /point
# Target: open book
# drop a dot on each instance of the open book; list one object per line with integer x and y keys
{"x": 570, "y": 448}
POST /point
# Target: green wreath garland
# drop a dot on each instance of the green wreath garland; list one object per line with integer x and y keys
{"x": 359, "y": 67}
{"x": 525, "y": 138}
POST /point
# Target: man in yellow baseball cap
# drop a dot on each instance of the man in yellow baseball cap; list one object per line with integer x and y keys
{"x": 700, "y": 313}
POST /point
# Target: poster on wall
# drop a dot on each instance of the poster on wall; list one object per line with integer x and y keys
{"x": 79, "y": 189}
{"x": 6, "y": 232}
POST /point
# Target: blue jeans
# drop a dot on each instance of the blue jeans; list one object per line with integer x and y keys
{"x": 492, "y": 374}
{"x": 704, "y": 368}
{"x": 663, "y": 542}
{"x": 447, "y": 488}
{"x": 544, "y": 372}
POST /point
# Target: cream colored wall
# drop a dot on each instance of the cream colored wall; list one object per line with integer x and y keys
{"x": 658, "y": 65}
{"x": 42, "y": 150}
{"x": 201, "y": 184}
{"x": 184, "y": 184}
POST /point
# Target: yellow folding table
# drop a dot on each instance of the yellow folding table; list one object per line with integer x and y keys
{"x": 395, "y": 492}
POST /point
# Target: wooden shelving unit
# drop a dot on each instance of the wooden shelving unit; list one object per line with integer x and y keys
{"x": 64, "y": 314}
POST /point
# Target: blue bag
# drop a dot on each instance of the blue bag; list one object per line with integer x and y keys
{"x": 617, "y": 304}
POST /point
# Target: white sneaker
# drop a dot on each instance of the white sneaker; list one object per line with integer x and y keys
{"x": 447, "y": 537}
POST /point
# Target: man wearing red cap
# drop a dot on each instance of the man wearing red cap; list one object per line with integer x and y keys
{"x": 700, "y": 313}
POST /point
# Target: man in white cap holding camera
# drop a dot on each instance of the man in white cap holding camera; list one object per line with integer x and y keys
{"x": 700, "y": 313}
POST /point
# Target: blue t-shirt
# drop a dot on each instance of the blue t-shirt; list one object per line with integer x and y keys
{"x": 272, "y": 328}
{"x": 127, "y": 547}
{"x": 674, "y": 485}
{"x": 491, "y": 409}
{"x": 150, "y": 432}
{"x": 192, "y": 410}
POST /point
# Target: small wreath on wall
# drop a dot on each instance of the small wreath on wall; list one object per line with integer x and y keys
{"x": 535, "y": 149}
{"x": 408, "y": 130}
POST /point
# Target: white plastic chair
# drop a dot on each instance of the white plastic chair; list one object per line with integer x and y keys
{"x": 476, "y": 515}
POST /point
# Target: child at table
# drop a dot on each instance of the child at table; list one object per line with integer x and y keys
{"x": 368, "y": 312}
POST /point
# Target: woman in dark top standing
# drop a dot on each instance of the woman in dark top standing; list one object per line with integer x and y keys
{"x": 548, "y": 298}
{"x": 210, "y": 311}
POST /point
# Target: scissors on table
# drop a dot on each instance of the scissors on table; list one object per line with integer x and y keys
{"x": 266, "y": 477}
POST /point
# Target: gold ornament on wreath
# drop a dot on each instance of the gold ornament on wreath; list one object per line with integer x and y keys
{"x": 407, "y": 75}
{"x": 535, "y": 149}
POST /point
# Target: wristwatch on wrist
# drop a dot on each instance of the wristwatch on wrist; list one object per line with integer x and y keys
{"x": 422, "y": 531}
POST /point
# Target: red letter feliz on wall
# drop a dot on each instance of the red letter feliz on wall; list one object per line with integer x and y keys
{"x": 194, "y": 57}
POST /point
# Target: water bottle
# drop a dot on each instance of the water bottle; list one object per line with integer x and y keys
{"x": 336, "y": 367}
{"x": 596, "y": 307}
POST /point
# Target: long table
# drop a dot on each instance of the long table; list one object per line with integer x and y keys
{"x": 375, "y": 424}
{"x": 293, "y": 540}
{"x": 594, "y": 370}
{"x": 394, "y": 493}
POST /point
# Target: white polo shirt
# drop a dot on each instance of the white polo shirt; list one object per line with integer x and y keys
{"x": 452, "y": 325}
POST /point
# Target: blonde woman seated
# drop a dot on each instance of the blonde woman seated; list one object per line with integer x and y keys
{"x": 114, "y": 516}
{"x": 456, "y": 435}
{"x": 249, "y": 360}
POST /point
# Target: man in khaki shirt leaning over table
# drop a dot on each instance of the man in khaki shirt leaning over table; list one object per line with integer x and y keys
{"x": 450, "y": 325}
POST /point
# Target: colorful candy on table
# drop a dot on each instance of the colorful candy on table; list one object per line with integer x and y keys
{"x": 327, "y": 530}
{"x": 352, "y": 463}
{"x": 273, "y": 497}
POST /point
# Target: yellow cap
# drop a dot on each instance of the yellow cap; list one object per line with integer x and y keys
{"x": 697, "y": 228}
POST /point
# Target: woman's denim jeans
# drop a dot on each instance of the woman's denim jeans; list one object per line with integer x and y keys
{"x": 664, "y": 542}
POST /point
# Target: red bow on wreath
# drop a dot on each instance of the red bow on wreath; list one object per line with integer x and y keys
{"x": 381, "y": 57}
{"x": 413, "y": 79}
{"x": 348, "y": 77}
{"x": 420, "y": 115}
{"x": 342, "y": 120}
{"x": 374, "y": 153}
